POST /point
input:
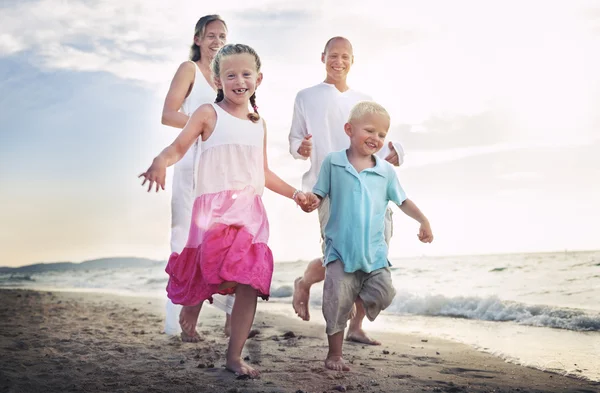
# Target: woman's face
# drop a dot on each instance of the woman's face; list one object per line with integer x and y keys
{"x": 215, "y": 36}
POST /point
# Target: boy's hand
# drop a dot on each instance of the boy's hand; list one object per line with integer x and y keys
{"x": 311, "y": 202}
{"x": 155, "y": 174}
{"x": 425, "y": 234}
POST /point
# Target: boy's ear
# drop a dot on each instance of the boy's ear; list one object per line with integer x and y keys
{"x": 348, "y": 129}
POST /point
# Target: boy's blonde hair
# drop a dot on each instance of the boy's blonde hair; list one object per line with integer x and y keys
{"x": 366, "y": 107}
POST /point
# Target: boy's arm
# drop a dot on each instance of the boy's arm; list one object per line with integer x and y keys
{"x": 409, "y": 208}
{"x": 396, "y": 194}
{"x": 323, "y": 185}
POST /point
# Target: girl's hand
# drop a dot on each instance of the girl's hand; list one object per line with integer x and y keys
{"x": 311, "y": 202}
{"x": 155, "y": 174}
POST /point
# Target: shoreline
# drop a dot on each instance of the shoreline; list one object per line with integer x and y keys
{"x": 82, "y": 341}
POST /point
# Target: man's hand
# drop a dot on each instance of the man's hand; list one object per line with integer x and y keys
{"x": 392, "y": 158}
{"x": 305, "y": 148}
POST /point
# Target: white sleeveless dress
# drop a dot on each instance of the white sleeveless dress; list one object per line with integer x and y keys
{"x": 183, "y": 193}
{"x": 229, "y": 230}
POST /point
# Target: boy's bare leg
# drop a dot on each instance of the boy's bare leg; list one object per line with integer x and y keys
{"x": 315, "y": 272}
{"x": 355, "y": 330}
{"x": 334, "y": 360}
{"x": 242, "y": 317}
{"x": 188, "y": 318}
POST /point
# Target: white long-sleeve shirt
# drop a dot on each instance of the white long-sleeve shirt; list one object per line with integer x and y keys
{"x": 322, "y": 111}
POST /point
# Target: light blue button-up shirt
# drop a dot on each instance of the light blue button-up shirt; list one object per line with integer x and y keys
{"x": 354, "y": 233}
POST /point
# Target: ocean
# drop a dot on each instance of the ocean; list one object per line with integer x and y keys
{"x": 540, "y": 310}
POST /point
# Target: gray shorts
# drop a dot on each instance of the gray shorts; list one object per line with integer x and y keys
{"x": 341, "y": 290}
{"x": 324, "y": 217}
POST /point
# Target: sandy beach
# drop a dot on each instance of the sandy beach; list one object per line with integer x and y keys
{"x": 89, "y": 342}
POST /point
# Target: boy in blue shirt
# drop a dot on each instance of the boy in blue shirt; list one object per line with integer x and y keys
{"x": 357, "y": 186}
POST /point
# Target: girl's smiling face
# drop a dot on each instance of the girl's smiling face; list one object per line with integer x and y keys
{"x": 239, "y": 77}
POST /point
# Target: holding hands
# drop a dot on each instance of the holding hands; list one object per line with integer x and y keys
{"x": 307, "y": 201}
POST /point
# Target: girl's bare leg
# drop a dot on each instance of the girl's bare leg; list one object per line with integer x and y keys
{"x": 242, "y": 317}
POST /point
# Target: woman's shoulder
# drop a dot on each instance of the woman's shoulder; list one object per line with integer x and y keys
{"x": 187, "y": 68}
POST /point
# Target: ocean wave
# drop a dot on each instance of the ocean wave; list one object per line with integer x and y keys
{"x": 15, "y": 278}
{"x": 494, "y": 309}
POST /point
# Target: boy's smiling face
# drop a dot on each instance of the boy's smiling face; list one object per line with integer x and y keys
{"x": 367, "y": 133}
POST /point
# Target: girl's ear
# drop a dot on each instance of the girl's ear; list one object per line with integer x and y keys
{"x": 348, "y": 129}
{"x": 259, "y": 79}
{"x": 197, "y": 40}
{"x": 217, "y": 82}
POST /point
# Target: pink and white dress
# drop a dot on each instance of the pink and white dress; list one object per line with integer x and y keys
{"x": 229, "y": 230}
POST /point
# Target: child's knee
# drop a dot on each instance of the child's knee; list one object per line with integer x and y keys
{"x": 378, "y": 294}
{"x": 339, "y": 293}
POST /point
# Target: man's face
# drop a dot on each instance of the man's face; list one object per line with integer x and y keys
{"x": 338, "y": 59}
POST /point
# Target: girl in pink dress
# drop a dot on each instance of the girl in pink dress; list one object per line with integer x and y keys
{"x": 226, "y": 251}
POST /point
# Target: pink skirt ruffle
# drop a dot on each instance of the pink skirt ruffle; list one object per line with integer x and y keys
{"x": 226, "y": 251}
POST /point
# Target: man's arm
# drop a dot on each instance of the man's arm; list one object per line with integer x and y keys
{"x": 299, "y": 133}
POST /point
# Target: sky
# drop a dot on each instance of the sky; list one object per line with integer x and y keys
{"x": 496, "y": 104}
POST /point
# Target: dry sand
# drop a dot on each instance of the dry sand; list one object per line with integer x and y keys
{"x": 85, "y": 342}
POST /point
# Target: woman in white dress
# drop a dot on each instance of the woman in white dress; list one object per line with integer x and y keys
{"x": 191, "y": 87}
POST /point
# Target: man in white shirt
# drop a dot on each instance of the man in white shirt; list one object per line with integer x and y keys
{"x": 320, "y": 113}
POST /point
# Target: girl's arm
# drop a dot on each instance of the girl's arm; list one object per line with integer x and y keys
{"x": 202, "y": 119}
{"x": 275, "y": 183}
{"x": 179, "y": 90}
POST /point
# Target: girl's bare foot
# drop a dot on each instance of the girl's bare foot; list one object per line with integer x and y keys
{"x": 336, "y": 363}
{"x": 188, "y": 318}
{"x": 359, "y": 336}
{"x": 239, "y": 367}
{"x": 300, "y": 299}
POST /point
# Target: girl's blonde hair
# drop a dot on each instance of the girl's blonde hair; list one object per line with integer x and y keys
{"x": 236, "y": 49}
{"x": 199, "y": 32}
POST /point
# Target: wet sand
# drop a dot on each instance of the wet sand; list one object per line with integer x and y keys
{"x": 87, "y": 342}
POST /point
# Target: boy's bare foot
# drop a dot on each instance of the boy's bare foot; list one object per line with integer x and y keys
{"x": 188, "y": 318}
{"x": 300, "y": 299}
{"x": 239, "y": 367}
{"x": 336, "y": 363}
{"x": 359, "y": 336}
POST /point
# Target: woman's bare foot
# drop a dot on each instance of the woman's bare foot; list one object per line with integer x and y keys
{"x": 188, "y": 318}
{"x": 359, "y": 336}
{"x": 239, "y": 367}
{"x": 300, "y": 299}
{"x": 336, "y": 363}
